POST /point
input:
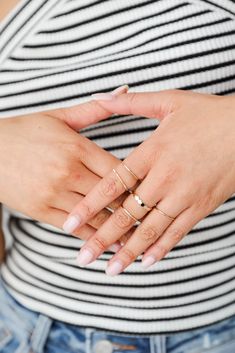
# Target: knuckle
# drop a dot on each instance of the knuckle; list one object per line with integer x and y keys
{"x": 122, "y": 220}
{"x": 100, "y": 242}
{"x": 87, "y": 210}
{"x": 132, "y": 98}
{"x": 128, "y": 254}
{"x": 108, "y": 187}
{"x": 176, "y": 234}
{"x": 149, "y": 233}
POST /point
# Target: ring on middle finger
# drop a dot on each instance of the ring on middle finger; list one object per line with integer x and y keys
{"x": 140, "y": 202}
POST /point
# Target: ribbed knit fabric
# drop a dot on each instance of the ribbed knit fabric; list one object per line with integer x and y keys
{"x": 56, "y": 53}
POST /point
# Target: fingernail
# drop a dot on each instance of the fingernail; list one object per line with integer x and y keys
{"x": 115, "y": 268}
{"x": 148, "y": 261}
{"x": 71, "y": 223}
{"x": 120, "y": 90}
{"x": 110, "y": 96}
{"x": 115, "y": 247}
{"x": 85, "y": 256}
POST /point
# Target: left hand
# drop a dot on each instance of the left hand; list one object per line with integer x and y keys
{"x": 187, "y": 168}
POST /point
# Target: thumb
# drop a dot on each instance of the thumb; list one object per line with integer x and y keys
{"x": 85, "y": 114}
{"x": 148, "y": 104}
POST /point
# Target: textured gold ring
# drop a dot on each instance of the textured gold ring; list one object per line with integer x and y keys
{"x": 141, "y": 202}
{"x": 164, "y": 214}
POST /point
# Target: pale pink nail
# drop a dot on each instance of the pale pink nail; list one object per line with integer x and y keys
{"x": 115, "y": 268}
{"x": 71, "y": 223}
{"x": 110, "y": 96}
{"x": 115, "y": 247}
{"x": 120, "y": 90}
{"x": 84, "y": 257}
{"x": 148, "y": 261}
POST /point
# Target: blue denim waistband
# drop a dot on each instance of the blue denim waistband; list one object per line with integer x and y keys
{"x": 25, "y": 331}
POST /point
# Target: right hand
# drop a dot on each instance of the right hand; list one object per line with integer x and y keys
{"x": 46, "y": 168}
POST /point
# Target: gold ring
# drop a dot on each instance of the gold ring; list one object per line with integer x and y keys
{"x": 130, "y": 171}
{"x": 164, "y": 214}
{"x": 141, "y": 202}
{"x": 129, "y": 214}
{"x": 121, "y": 181}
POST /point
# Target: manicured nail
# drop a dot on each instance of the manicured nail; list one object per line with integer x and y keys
{"x": 115, "y": 268}
{"x": 85, "y": 256}
{"x": 71, "y": 223}
{"x": 148, "y": 261}
{"x": 120, "y": 90}
{"x": 115, "y": 247}
{"x": 110, "y": 96}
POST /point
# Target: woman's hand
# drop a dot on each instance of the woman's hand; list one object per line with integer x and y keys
{"x": 186, "y": 168}
{"x": 46, "y": 168}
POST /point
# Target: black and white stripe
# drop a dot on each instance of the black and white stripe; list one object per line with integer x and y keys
{"x": 56, "y": 53}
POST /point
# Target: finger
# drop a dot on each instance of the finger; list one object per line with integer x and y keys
{"x": 151, "y": 229}
{"x": 171, "y": 237}
{"x": 112, "y": 185}
{"x": 95, "y": 158}
{"x": 81, "y": 180}
{"x": 67, "y": 200}
{"x": 149, "y": 104}
{"x": 85, "y": 114}
{"x": 110, "y": 232}
{"x": 56, "y": 217}
{"x": 121, "y": 221}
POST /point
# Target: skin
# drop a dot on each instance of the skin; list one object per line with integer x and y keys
{"x": 46, "y": 167}
{"x": 6, "y": 7}
{"x": 186, "y": 167}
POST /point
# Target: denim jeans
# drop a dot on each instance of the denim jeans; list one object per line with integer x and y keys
{"x": 24, "y": 331}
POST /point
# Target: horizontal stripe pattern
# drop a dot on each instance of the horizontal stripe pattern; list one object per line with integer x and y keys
{"x": 57, "y": 53}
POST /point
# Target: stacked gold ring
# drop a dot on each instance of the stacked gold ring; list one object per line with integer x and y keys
{"x": 130, "y": 171}
{"x": 140, "y": 202}
{"x": 129, "y": 214}
{"x": 122, "y": 182}
{"x": 164, "y": 213}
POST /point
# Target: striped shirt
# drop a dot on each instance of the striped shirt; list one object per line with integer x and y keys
{"x": 57, "y": 53}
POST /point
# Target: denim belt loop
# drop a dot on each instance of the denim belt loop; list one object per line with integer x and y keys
{"x": 88, "y": 332}
{"x": 40, "y": 333}
{"x": 158, "y": 344}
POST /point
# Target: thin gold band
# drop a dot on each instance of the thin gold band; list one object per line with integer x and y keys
{"x": 130, "y": 171}
{"x": 141, "y": 202}
{"x": 164, "y": 214}
{"x": 129, "y": 214}
{"x": 121, "y": 181}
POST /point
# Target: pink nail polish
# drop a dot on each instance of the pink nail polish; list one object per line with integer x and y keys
{"x": 71, "y": 223}
{"x": 120, "y": 90}
{"x": 115, "y": 268}
{"x": 110, "y": 96}
{"x": 85, "y": 256}
{"x": 148, "y": 261}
